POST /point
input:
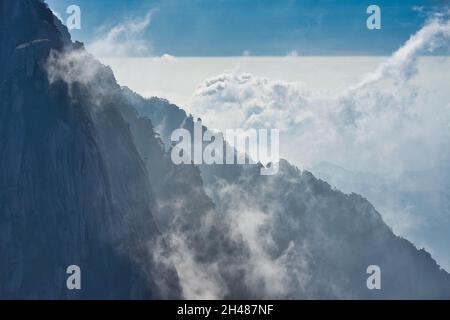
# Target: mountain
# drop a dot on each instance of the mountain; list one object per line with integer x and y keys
{"x": 415, "y": 203}
{"x": 73, "y": 187}
{"x": 87, "y": 179}
{"x": 315, "y": 241}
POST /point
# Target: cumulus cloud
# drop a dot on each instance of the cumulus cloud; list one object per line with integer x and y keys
{"x": 125, "y": 39}
{"x": 385, "y": 123}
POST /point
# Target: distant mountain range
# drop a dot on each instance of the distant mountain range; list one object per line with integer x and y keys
{"x": 415, "y": 203}
{"x": 86, "y": 178}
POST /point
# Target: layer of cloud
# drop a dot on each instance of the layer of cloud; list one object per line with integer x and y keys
{"x": 382, "y": 122}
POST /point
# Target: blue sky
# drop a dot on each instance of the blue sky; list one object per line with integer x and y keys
{"x": 261, "y": 27}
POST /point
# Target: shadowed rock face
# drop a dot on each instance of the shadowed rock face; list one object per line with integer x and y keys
{"x": 73, "y": 189}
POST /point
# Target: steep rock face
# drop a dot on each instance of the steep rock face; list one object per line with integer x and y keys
{"x": 73, "y": 187}
{"x": 192, "y": 227}
{"x": 315, "y": 242}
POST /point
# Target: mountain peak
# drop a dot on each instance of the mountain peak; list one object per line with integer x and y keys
{"x": 28, "y": 31}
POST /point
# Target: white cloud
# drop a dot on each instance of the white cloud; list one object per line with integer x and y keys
{"x": 78, "y": 67}
{"x": 402, "y": 65}
{"x": 267, "y": 275}
{"x": 124, "y": 40}
{"x": 72, "y": 66}
{"x": 199, "y": 281}
{"x": 264, "y": 273}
